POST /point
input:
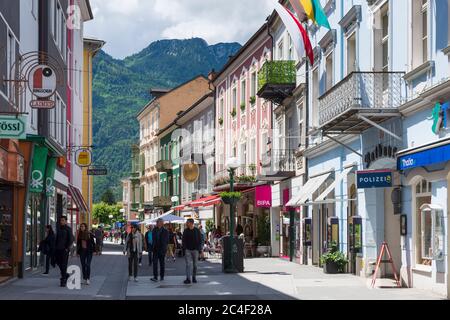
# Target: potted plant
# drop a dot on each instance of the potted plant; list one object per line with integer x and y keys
{"x": 263, "y": 239}
{"x": 252, "y": 100}
{"x": 333, "y": 261}
{"x": 230, "y": 197}
{"x": 242, "y": 106}
{"x": 252, "y": 168}
{"x": 246, "y": 179}
{"x": 221, "y": 121}
{"x": 233, "y": 112}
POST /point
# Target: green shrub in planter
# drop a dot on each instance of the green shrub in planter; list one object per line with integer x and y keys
{"x": 253, "y": 100}
{"x": 230, "y": 197}
{"x": 243, "y": 106}
{"x": 334, "y": 261}
{"x": 220, "y": 121}
{"x": 233, "y": 112}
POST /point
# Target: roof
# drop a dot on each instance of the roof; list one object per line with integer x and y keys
{"x": 241, "y": 50}
{"x": 170, "y": 91}
{"x": 94, "y": 44}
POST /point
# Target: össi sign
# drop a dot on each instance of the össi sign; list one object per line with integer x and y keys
{"x": 374, "y": 179}
{"x": 12, "y": 127}
{"x": 42, "y": 81}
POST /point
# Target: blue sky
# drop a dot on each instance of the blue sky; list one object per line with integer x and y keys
{"x": 129, "y": 28}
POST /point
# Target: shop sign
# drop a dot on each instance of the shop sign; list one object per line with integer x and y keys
{"x": 12, "y": 127}
{"x": 97, "y": 171}
{"x": 3, "y": 164}
{"x": 263, "y": 196}
{"x": 42, "y": 104}
{"x": 83, "y": 158}
{"x": 50, "y": 177}
{"x": 374, "y": 179}
{"x": 424, "y": 158}
{"x": 38, "y": 169}
{"x": 42, "y": 81}
{"x": 440, "y": 117}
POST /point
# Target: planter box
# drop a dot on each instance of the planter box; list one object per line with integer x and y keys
{"x": 230, "y": 201}
{"x": 331, "y": 268}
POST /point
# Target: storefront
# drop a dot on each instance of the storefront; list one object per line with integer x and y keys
{"x": 425, "y": 200}
{"x": 11, "y": 183}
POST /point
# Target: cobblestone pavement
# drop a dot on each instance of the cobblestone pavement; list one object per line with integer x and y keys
{"x": 268, "y": 278}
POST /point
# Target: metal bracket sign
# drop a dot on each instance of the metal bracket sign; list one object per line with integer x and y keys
{"x": 12, "y": 127}
{"x": 97, "y": 171}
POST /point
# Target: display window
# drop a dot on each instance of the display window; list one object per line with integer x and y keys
{"x": 6, "y": 218}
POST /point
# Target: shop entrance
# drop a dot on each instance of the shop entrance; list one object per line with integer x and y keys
{"x": 33, "y": 232}
{"x": 6, "y": 220}
{"x": 353, "y": 231}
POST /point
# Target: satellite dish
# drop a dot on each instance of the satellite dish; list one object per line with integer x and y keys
{"x": 191, "y": 172}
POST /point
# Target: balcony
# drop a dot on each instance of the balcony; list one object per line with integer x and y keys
{"x": 276, "y": 81}
{"x": 163, "y": 166}
{"x": 162, "y": 202}
{"x": 278, "y": 165}
{"x": 361, "y": 100}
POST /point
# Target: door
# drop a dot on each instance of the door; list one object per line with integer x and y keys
{"x": 351, "y": 212}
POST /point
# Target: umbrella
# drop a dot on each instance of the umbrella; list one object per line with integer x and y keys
{"x": 167, "y": 217}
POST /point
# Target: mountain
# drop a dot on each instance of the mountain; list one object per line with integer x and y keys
{"x": 121, "y": 89}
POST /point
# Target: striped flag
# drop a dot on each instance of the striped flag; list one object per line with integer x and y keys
{"x": 292, "y": 28}
{"x": 306, "y": 42}
{"x": 314, "y": 11}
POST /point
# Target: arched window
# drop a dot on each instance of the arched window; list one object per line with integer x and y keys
{"x": 424, "y": 223}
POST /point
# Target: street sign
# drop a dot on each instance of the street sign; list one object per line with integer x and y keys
{"x": 12, "y": 127}
{"x": 374, "y": 179}
{"x": 97, "y": 172}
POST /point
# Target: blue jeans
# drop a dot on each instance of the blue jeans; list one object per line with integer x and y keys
{"x": 191, "y": 260}
{"x": 86, "y": 258}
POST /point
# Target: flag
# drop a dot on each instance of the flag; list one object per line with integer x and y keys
{"x": 308, "y": 7}
{"x": 319, "y": 15}
{"x": 301, "y": 15}
{"x": 306, "y": 42}
{"x": 292, "y": 28}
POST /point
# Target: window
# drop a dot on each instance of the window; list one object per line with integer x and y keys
{"x": 221, "y": 107}
{"x": 243, "y": 153}
{"x": 234, "y": 97}
{"x": 280, "y": 52}
{"x": 301, "y": 124}
{"x": 351, "y": 53}
{"x": 315, "y": 96}
{"x": 62, "y": 129}
{"x": 11, "y": 60}
{"x": 385, "y": 37}
{"x": 329, "y": 71}
{"x": 244, "y": 91}
{"x": 424, "y": 224}
{"x": 419, "y": 33}
{"x": 264, "y": 140}
{"x": 252, "y": 151}
{"x": 253, "y": 84}
{"x": 291, "y": 48}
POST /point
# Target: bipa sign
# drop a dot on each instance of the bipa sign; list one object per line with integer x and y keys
{"x": 263, "y": 197}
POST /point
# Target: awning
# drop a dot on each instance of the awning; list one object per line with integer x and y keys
{"x": 78, "y": 199}
{"x": 339, "y": 178}
{"x": 205, "y": 202}
{"x": 178, "y": 208}
{"x": 311, "y": 186}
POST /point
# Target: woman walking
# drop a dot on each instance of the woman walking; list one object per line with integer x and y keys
{"x": 85, "y": 250}
{"x": 48, "y": 248}
{"x": 133, "y": 249}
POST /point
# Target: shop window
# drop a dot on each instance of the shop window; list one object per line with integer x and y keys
{"x": 424, "y": 224}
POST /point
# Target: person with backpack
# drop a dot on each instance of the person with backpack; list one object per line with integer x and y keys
{"x": 133, "y": 249}
{"x": 192, "y": 240}
{"x": 149, "y": 244}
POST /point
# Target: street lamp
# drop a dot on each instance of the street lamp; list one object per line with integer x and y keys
{"x": 232, "y": 164}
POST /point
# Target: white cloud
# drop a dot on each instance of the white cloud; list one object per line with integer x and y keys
{"x": 128, "y": 28}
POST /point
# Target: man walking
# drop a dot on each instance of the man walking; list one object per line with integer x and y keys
{"x": 160, "y": 237}
{"x": 149, "y": 244}
{"x": 133, "y": 249}
{"x": 192, "y": 246}
{"x": 99, "y": 240}
{"x": 63, "y": 243}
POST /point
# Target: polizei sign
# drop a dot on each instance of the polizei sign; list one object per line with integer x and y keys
{"x": 12, "y": 127}
{"x": 374, "y": 179}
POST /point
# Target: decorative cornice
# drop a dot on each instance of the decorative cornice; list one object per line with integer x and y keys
{"x": 446, "y": 51}
{"x": 420, "y": 70}
{"x": 352, "y": 16}
{"x": 328, "y": 40}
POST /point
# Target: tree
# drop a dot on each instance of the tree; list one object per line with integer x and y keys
{"x": 108, "y": 197}
{"x": 102, "y": 211}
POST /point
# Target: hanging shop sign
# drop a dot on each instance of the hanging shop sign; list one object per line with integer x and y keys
{"x": 424, "y": 158}
{"x": 83, "y": 157}
{"x": 50, "y": 177}
{"x": 42, "y": 81}
{"x": 263, "y": 196}
{"x": 38, "y": 169}
{"x": 97, "y": 171}
{"x": 42, "y": 104}
{"x": 191, "y": 172}
{"x": 374, "y": 179}
{"x": 12, "y": 127}
{"x": 440, "y": 116}
{"x": 380, "y": 153}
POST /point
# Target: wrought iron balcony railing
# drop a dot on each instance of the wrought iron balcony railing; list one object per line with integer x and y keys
{"x": 362, "y": 91}
{"x": 276, "y": 80}
{"x": 163, "y": 166}
{"x": 282, "y": 160}
{"x": 162, "y": 201}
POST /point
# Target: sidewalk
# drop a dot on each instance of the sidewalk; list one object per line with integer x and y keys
{"x": 269, "y": 278}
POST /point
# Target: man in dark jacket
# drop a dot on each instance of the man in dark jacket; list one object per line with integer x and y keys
{"x": 192, "y": 240}
{"x": 63, "y": 243}
{"x": 160, "y": 237}
{"x": 149, "y": 244}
